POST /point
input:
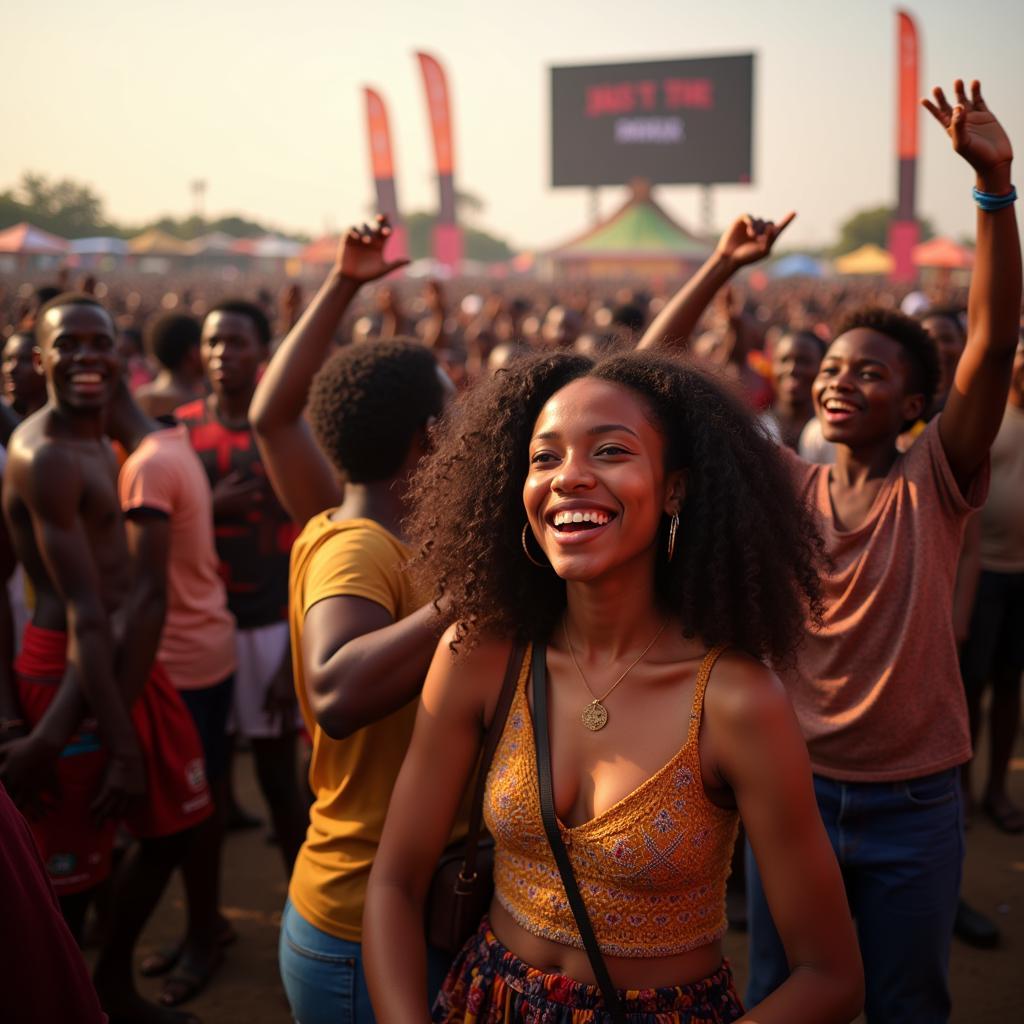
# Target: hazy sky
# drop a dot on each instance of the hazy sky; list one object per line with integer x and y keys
{"x": 263, "y": 99}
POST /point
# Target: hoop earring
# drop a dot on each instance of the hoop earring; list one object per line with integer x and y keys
{"x": 526, "y": 550}
{"x": 673, "y": 528}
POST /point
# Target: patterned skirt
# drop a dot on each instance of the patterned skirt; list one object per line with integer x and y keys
{"x": 487, "y": 984}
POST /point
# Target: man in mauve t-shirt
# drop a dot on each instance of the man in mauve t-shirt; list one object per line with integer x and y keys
{"x": 876, "y": 687}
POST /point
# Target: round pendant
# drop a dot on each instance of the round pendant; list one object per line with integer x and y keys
{"x": 595, "y": 716}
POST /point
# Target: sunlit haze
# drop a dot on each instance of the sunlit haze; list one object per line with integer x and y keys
{"x": 264, "y": 101}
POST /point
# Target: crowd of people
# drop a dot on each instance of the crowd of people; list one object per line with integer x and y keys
{"x": 663, "y": 586}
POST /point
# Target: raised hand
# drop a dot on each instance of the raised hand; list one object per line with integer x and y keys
{"x": 976, "y": 134}
{"x": 749, "y": 239}
{"x": 361, "y": 256}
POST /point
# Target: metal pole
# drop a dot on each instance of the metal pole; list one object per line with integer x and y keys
{"x": 707, "y": 217}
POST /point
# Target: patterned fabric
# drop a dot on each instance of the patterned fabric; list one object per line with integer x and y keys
{"x": 253, "y": 547}
{"x": 652, "y": 868}
{"x": 490, "y": 985}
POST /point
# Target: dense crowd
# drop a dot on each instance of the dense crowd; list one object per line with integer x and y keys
{"x": 654, "y": 585}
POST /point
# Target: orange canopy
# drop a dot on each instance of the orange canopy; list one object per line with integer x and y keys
{"x": 943, "y": 253}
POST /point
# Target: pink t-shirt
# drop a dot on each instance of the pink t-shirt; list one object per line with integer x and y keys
{"x": 197, "y": 646}
{"x": 877, "y": 690}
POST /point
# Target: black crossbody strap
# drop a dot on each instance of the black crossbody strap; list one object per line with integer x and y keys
{"x": 467, "y": 876}
{"x": 547, "y": 810}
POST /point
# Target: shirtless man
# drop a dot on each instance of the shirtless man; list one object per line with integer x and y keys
{"x": 105, "y": 725}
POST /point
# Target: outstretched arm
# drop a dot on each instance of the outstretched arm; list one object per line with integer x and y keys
{"x": 745, "y": 241}
{"x": 970, "y": 421}
{"x": 300, "y": 473}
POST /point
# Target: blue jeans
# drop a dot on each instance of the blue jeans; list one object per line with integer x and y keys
{"x": 900, "y": 847}
{"x": 323, "y": 975}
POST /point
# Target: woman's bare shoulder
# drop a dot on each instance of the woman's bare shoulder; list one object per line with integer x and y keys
{"x": 469, "y": 669}
{"x": 744, "y": 693}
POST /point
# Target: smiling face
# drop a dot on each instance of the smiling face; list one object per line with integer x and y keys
{"x": 231, "y": 352}
{"x": 597, "y": 488}
{"x": 861, "y": 391}
{"x": 78, "y": 354}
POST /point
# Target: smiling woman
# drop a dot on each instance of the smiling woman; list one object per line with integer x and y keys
{"x": 683, "y": 426}
{"x": 630, "y": 521}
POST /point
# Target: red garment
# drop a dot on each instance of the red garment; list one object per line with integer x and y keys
{"x": 44, "y": 978}
{"x": 77, "y": 852}
{"x": 254, "y": 547}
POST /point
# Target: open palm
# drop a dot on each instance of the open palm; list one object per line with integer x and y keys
{"x": 976, "y": 133}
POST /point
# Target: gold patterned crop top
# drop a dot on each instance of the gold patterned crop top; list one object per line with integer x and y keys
{"x": 652, "y": 868}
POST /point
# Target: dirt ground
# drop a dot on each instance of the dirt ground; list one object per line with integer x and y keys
{"x": 987, "y": 985}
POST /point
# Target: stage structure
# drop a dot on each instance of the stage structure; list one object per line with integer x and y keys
{"x": 640, "y": 240}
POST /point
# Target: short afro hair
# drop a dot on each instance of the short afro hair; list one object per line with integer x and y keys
{"x": 918, "y": 348}
{"x": 245, "y": 308}
{"x": 70, "y": 299}
{"x": 169, "y": 337}
{"x": 954, "y": 314}
{"x": 368, "y": 401}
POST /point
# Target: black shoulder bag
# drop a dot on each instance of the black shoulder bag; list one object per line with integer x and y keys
{"x": 547, "y": 810}
{"x": 463, "y": 881}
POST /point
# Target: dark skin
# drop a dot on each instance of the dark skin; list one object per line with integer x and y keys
{"x": 795, "y": 362}
{"x": 864, "y": 375}
{"x": 232, "y": 353}
{"x": 171, "y": 388}
{"x": 61, "y": 505}
{"x": 82, "y": 368}
{"x": 1005, "y": 704}
{"x": 950, "y": 342}
{"x": 12, "y": 724}
{"x": 9, "y": 419}
{"x": 595, "y": 448}
{"x": 360, "y": 665}
{"x": 867, "y": 371}
{"x": 24, "y": 384}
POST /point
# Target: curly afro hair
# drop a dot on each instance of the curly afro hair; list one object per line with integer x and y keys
{"x": 919, "y": 350}
{"x": 747, "y": 570}
{"x": 368, "y": 401}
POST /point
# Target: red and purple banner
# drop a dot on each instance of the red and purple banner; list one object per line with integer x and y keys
{"x": 903, "y": 231}
{"x": 383, "y": 166}
{"x": 447, "y": 234}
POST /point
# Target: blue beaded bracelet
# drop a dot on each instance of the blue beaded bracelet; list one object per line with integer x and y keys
{"x": 990, "y": 202}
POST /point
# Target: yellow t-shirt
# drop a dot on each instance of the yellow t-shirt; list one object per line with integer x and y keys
{"x": 352, "y": 778}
